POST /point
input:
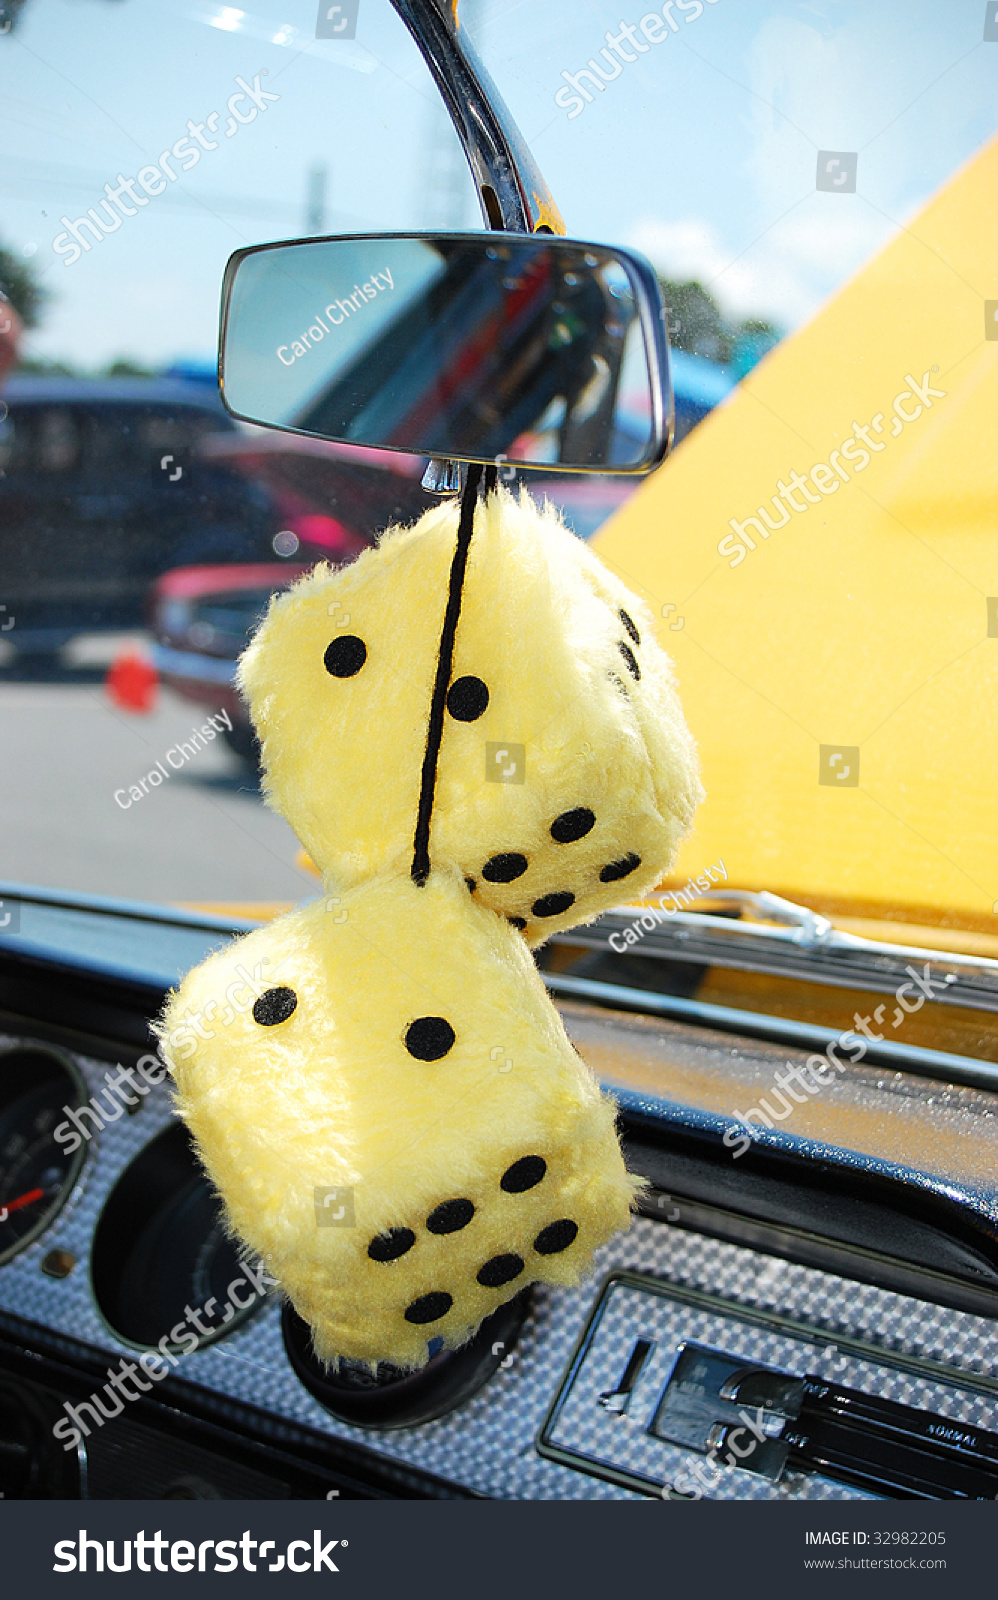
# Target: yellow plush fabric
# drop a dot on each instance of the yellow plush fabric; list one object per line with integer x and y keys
{"x": 391, "y": 1047}
{"x": 577, "y": 689}
{"x": 293, "y": 1054}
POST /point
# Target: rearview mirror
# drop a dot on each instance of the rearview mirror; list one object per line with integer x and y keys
{"x": 538, "y": 350}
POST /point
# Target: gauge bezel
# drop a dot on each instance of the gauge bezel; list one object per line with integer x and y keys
{"x": 409, "y": 1399}
{"x": 134, "y": 1190}
{"x": 80, "y": 1090}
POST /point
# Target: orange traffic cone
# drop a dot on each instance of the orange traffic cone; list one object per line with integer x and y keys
{"x": 132, "y": 682}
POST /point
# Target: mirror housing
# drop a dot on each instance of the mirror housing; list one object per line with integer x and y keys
{"x": 529, "y": 349}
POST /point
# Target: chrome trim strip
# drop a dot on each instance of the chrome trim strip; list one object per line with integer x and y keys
{"x": 188, "y": 664}
{"x": 757, "y": 1024}
{"x": 813, "y": 951}
{"x": 505, "y": 173}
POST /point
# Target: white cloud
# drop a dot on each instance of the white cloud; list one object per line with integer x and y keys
{"x": 787, "y": 273}
{"x": 906, "y": 98}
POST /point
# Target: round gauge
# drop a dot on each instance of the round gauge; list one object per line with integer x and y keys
{"x": 39, "y": 1085}
{"x": 163, "y": 1262}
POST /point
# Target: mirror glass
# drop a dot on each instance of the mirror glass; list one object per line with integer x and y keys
{"x": 539, "y": 350}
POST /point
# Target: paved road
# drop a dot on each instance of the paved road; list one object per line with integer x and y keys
{"x": 203, "y": 835}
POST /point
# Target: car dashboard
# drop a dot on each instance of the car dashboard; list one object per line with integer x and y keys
{"x": 811, "y": 1321}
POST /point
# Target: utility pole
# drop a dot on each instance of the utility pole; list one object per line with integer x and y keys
{"x": 315, "y": 199}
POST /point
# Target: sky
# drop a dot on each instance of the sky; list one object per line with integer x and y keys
{"x": 702, "y": 152}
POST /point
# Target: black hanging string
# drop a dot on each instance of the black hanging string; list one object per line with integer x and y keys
{"x": 445, "y": 661}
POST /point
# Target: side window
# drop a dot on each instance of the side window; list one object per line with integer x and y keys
{"x": 57, "y": 440}
{"x": 107, "y": 448}
{"x": 38, "y": 440}
{"x": 172, "y": 430}
{"x": 17, "y": 442}
{"x": 161, "y": 432}
{"x": 6, "y": 444}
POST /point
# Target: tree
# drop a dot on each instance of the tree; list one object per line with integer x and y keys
{"x": 8, "y": 14}
{"x": 697, "y": 325}
{"x": 125, "y": 367}
{"x": 21, "y": 287}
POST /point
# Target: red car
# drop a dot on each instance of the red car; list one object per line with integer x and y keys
{"x": 202, "y": 617}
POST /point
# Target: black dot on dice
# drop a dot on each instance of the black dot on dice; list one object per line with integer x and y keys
{"x": 450, "y": 1216}
{"x": 429, "y": 1307}
{"x": 392, "y": 1244}
{"x": 552, "y": 905}
{"x": 629, "y": 625}
{"x": 467, "y": 699}
{"x": 517, "y": 922}
{"x": 572, "y": 825}
{"x": 429, "y": 1038}
{"x": 557, "y": 1236}
{"x": 505, "y": 868}
{"x": 620, "y": 869}
{"x": 523, "y": 1174}
{"x": 630, "y": 660}
{"x": 274, "y": 1006}
{"x": 345, "y": 656}
{"x": 500, "y": 1270}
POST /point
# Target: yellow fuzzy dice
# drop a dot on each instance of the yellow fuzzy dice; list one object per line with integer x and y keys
{"x": 396, "y": 1045}
{"x": 566, "y": 775}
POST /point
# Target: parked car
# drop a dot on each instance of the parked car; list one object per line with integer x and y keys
{"x": 103, "y": 487}
{"x": 798, "y": 1026}
{"x": 333, "y": 500}
{"x": 202, "y": 618}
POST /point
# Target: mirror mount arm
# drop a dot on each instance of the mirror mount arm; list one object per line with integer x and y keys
{"x": 512, "y": 193}
{"x": 442, "y": 477}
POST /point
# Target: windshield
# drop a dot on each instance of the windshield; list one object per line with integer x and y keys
{"x": 813, "y": 185}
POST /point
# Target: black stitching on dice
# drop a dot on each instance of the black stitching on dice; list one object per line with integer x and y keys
{"x": 523, "y": 1174}
{"x": 450, "y": 1216}
{"x": 345, "y": 656}
{"x": 630, "y": 625}
{"x": 505, "y": 868}
{"x": 429, "y": 1038}
{"x": 429, "y": 1307}
{"x": 572, "y": 825}
{"x": 467, "y": 699}
{"x": 388, "y": 1246}
{"x": 630, "y": 660}
{"x": 557, "y": 1236}
{"x": 620, "y": 869}
{"x": 552, "y": 905}
{"x": 274, "y": 1006}
{"x": 500, "y": 1270}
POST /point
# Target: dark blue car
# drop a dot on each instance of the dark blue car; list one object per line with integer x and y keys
{"x": 102, "y": 489}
